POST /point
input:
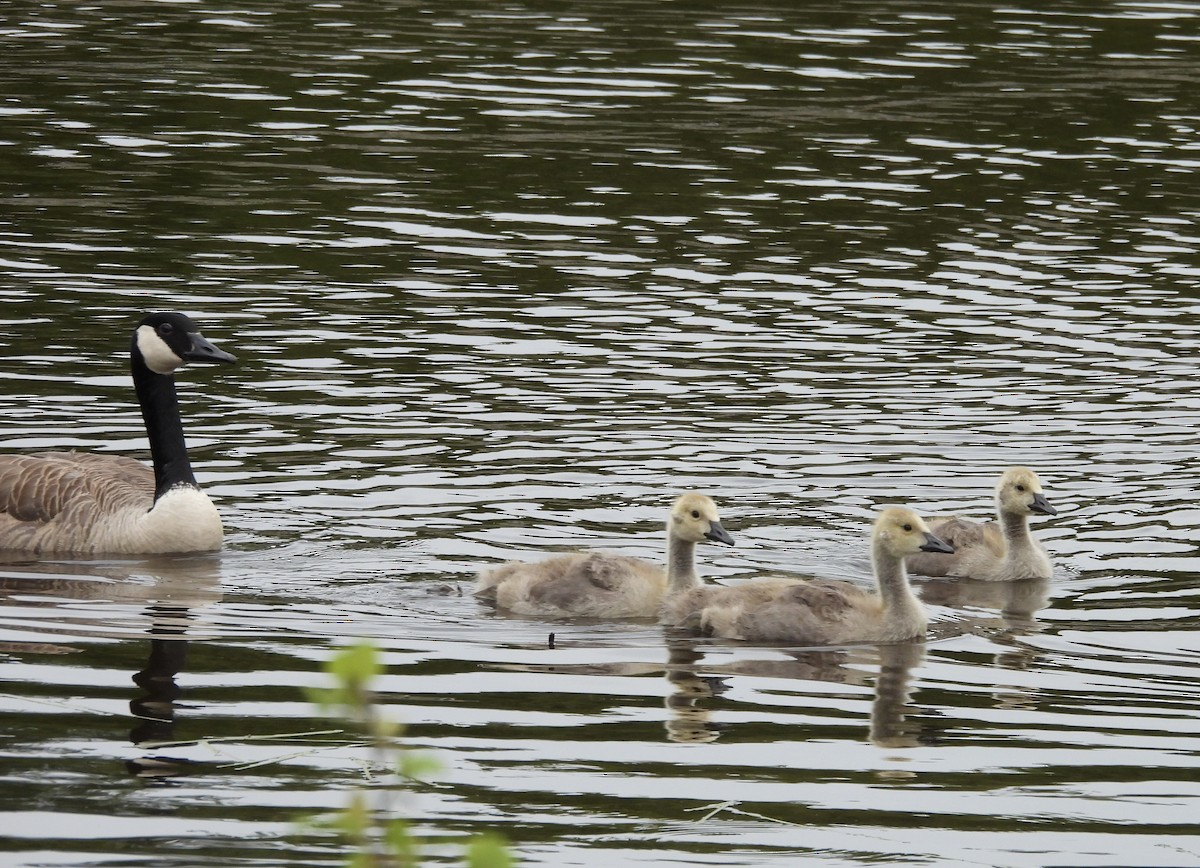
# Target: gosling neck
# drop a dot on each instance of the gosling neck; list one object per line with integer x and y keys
{"x": 681, "y": 563}
{"x": 895, "y": 593}
{"x": 164, "y": 428}
{"x": 1015, "y": 527}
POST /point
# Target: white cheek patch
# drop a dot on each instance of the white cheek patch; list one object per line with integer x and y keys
{"x": 159, "y": 357}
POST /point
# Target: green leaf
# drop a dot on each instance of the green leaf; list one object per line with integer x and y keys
{"x": 418, "y": 765}
{"x": 355, "y": 819}
{"x": 488, "y": 851}
{"x": 401, "y": 842}
{"x": 323, "y": 698}
{"x": 356, "y": 666}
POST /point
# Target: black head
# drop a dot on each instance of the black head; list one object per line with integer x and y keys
{"x": 167, "y": 340}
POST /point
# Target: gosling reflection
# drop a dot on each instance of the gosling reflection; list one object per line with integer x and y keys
{"x": 690, "y": 717}
{"x": 1016, "y": 603}
{"x": 891, "y": 724}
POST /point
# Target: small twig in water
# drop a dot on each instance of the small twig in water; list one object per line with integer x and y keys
{"x": 279, "y": 736}
{"x": 719, "y": 807}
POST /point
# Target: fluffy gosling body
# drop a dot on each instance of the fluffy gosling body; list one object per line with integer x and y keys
{"x": 602, "y": 584}
{"x": 819, "y": 611}
{"x": 995, "y": 551}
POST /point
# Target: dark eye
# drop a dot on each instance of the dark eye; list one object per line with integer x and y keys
{"x": 165, "y": 328}
{"x": 695, "y": 513}
{"x": 908, "y": 528}
{"x": 1020, "y": 488}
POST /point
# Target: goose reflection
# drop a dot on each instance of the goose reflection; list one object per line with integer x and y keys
{"x": 187, "y": 581}
{"x": 155, "y": 709}
{"x": 690, "y": 718}
{"x": 166, "y": 591}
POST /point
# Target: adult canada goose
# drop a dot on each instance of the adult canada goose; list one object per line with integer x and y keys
{"x": 819, "y": 611}
{"x": 87, "y": 503}
{"x": 602, "y": 584}
{"x": 994, "y": 551}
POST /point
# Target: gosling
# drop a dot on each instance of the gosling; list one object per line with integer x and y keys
{"x": 606, "y": 585}
{"x": 994, "y": 551}
{"x": 819, "y": 611}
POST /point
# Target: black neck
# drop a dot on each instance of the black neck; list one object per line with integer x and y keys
{"x": 160, "y": 410}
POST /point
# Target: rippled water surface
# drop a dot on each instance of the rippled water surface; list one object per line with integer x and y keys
{"x": 504, "y": 278}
